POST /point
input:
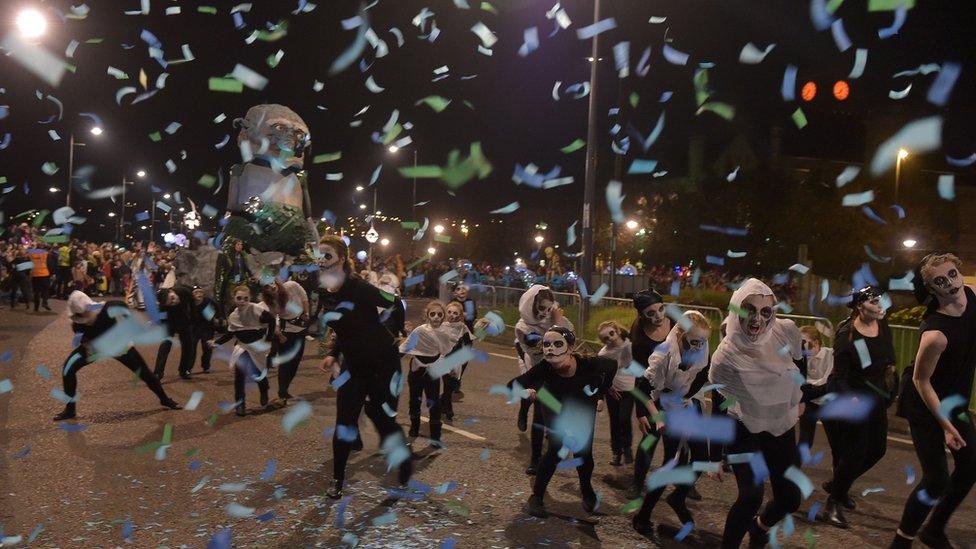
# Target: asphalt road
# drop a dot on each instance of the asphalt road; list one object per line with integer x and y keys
{"x": 100, "y": 484}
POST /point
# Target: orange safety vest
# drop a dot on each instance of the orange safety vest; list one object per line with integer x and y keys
{"x": 40, "y": 264}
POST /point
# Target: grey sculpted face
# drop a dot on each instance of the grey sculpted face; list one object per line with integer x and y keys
{"x": 275, "y": 131}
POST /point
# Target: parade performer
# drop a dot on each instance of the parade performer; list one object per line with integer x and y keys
{"x": 620, "y": 401}
{"x": 370, "y": 357}
{"x": 935, "y": 395}
{"x": 459, "y": 335}
{"x": 177, "y": 303}
{"x": 425, "y": 345}
{"x": 90, "y": 322}
{"x": 754, "y": 364}
{"x": 538, "y": 312}
{"x": 288, "y": 346}
{"x": 204, "y": 314}
{"x": 820, "y": 365}
{"x": 469, "y": 307}
{"x": 252, "y": 326}
{"x": 577, "y": 384}
{"x": 864, "y": 356}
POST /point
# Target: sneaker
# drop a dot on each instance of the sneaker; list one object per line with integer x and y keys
{"x": 67, "y": 413}
{"x": 536, "y": 507}
{"x": 934, "y": 539}
{"x": 335, "y": 491}
{"x": 644, "y": 528}
{"x": 171, "y": 404}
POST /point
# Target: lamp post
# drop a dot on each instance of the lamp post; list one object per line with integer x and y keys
{"x": 902, "y": 154}
{"x": 96, "y": 131}
{"x": 413, "y": 204}
{"x": 632, "y": 226}
{"x": 589, "y": 181}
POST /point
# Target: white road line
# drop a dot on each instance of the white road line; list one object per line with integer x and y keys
{"x": 461, "y": 432}
{"x": 503, "y": 356}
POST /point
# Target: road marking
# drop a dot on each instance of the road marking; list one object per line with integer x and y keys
{"x": 461, "y": 432}
{"x": 503, "y": 356}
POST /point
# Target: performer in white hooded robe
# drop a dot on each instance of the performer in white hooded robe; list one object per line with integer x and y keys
{"x": 252, "y": 326}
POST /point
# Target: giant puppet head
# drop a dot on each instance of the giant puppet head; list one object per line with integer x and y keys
{"x": 275, "y": 134}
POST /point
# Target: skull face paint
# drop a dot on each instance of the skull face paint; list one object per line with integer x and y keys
{"x": 653, "y": 315}
{"x": 759, "y": 315}
{"x": 331, "y": 273}
{"x": 543, "y": 306}
{"x": 435, "y": 316}
{"x": 944, "y": 280}
{"x": 872, "y": 309}
{"x": 454, "y": 312}
{"x": 609, "y": 337}
{"x": 461, "y": 293}
{"x": 555, "y": 348}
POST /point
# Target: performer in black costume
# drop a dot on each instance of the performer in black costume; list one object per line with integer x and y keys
{"x": 177, "y": 303}
{"x": 369, "y": 352}
{"x": 90, "y": 323}
{"x": 204, "y": 315}
{"x": 943, "y": 369}
{"x": 289, "y": 342}
{"x": 578, "y": 383}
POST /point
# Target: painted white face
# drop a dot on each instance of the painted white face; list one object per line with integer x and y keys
{"x": 945, "y": 280}
{"x": 543, "y": 307}
{"x": 329, "y": 260}
{"x": 461, "y": 293}
{"x": 871, "y": 309}
{"x": 610, "y": 336}
{"x": 759, "y": 315}
{"x": 435, "y": 317}
{"x": 811, "y": 346}
{"x": 654, "y": 314}
{"x": 555, "y": 348}
{"x": 454, "y": 313}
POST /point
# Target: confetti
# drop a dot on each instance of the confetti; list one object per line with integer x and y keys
{"x": 920, "y": 136}
{"x": 751, "y": 55}
{"x": 506, "y": 209}
{"x": 585, "y": 33}
{"x": 296, "y": 416}
{"x": 796, "y": 476}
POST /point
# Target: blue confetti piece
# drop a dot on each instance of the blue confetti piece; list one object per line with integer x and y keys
{"x": 148, "y": 297}
{"x": 941, "y": 88}
{"x": 194, "y": 465}
{"x": 814, "y": 509}
{"x": 265, "y": 517}
{"x": 446, "y": 487}
{"x": 788, "y": 88}
{"x": 675, "y": 287}
{"x": 72, "y": 427}
{"x": 485, "y": 454}
{"x": 862, "y": 353}
{"x": 852, "y": 408}
{"x": 346, "y": 433}
{"x": 615, "y": 201}
{"x": 677, "y": 475}
{"x": 685, "y": 530}
{"x": 731, "y": 231}
{"x": 221, "y": 540}
{"x": 388, "y": 410}
{"x": 341, "y": 380}
{"x": 7, "y": 356}
{"x": 269, "y": 469}
{"x": 857, "y": 199}
{"x": 760, "y": 472}
{"x": 925, "y": 498}
{"x": 841, "y": 40}
{"x": 688, "y": 423}
{"x": 909, "y": 474}
{"x": 947, "y": 405}
{"x": 448, "y": 543}
{"x": 403, "y": 494}
{"x": 142, "y": 216}
{"x": 599, "y": 293}
{"x": 24, "y": 452}
{"x": 796, "y": 476}
{"x": 413, "y": 281}
{"x": 449, "y": 275}
{"x": 590, "y": 391}
{"x": 384, "y": 519}
{"x": 570, "y": 463}
{"x": 296, "y": 416}
{"x": 420, "y": 486}
{"x": 127, "y": 530}
{"x": 947, "y": 187}
{"x": 340, "y": 519}
{"x": 585, "y": 33}
{"x": 641, "y": 166}
{"x": 42, "y": 371}
{"x": 674, "y": 56}
{"x": 396, "y": 383}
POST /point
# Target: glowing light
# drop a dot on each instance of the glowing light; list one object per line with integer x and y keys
{"x": 31, "y": 23}
{"x": 393, "y": 149}
{"x": 539, "y": 239}
{"x": 438, "y": 229}
{"x": 631, "y": 224}
{"x": 359, "y": 188}
{"x": 166, "y": 196}
{"x": 902, "y": 154}
{"x": 54, "y": 189}
{"x": 841, "y": 90}
{"x": 141, "y": 173}
{"x": 432, "y": 250}
{"x": 111, "y": 214}
{"x": 362, "y": 206}
{"x": 909, "y": 243}
{"x": 385, "y": 242}
{"x": 809, "y": 91}
{"x": 96, "y": 130}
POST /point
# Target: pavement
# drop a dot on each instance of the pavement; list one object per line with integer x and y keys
{"x": 100, "y": 481}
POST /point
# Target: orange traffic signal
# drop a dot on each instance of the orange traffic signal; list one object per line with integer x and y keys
{"x": 809, "y": 91}
{"x": 841, "y": 90}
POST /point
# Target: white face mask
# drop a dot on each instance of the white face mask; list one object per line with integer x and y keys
{"x": 435, "y": 317}
{"x": 555, "y": 348}
{"x": 759, "y": 316}
{"x": 453, "y": 314}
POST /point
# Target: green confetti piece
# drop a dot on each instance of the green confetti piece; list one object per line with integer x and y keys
{"x": 156, "y": 137}
{"x": 808, "y": 535}
{"x": 192, "y": 452}
{"x": 489, "y": 8}
{"x": 634, "y": 98}
{"x": 70, "y": 68}
{"x": 631, "y": 505}
{"x": 207, "y": 9}
{"x": 40, "y": 217}
{"x": 327, "y": 157}
{"x": 738, "y": 311}
{"x": 832, "y": 5}
{"x": 890, "y": 5}
{"x": 421, "y": 172}
{"x": 648, "y": 441}
{"x": 212, "y": 420}
{"x": 3, "y": 179}
{"x": 724, "y": 110}
{"x": 442, "y": 238}
{"x": 148, "y": 447}
{"x": 640, "y": 396}
{"x": 277, "y": 33}
{"x": 275, "y": 58}
{"x": 231, "y": 85}
{"x": 435, "y": 102}
{"x": 884, "y": 394}
{"x": 167, "y": 433}
{"x": 392, "y": 134}
{"x": 49, "y": 168}
{"x": 409, "y": 225}
{"x": 55, "y": 239}
{"x": 548, "y": 400}
{"x": 727, "y": 403}
{"x": 799, "y": 118}
{"x": 94, "y": 40}
{"x": 418, "y": 261}
{"x": 701, "y": 87}
{"x": 573, "y": 147}
{"x": 207, "y": 180}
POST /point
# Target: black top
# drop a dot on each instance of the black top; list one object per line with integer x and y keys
{"x": 954, "y": 372}
{"x": 641, "y": 346}
{"x": 103, "y": 322}
{"x": 848, "y": 375}
{"x": 180, "y": 316}
{"x": 591, "y": 371}
{"x": 363, "y": 341}
{"x": 199, "y": 319}
{"x": 396, "y": 319}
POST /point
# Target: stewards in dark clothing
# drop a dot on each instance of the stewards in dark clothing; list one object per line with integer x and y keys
{"x": 89, "y": 324}
{"x": 177, "y": 303}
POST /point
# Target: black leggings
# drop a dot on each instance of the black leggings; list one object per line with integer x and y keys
{"x": 808, "y": 424}
{"x": 936, "y": 481}
{"x": 451, "y": 384}
{"x": 288, "y": 369}
{"x": 857, "y": 448}
{"x": 537, "y": 433}
{"x": 779, "y": 453}
{"x": 621, "y": 422}
{"x": 131, "y": 359}
{"x": 420, "y": 384}
{"x": 244, "y": 371}
{"x": 42, "y": 288}
{"x": 672, "y": 449}
{"x": 374, "y": 383}
{"x": 549, "y": 461}
{"x": 202, "y": 337}
{"x": 187, "y": 344}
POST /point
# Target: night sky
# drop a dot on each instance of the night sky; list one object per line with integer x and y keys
{"x": 512, "y": 112}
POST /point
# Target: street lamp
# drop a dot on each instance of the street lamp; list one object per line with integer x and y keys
{"x": 31, "y": 24}
{"x": 362, "y": 206}
{"x": 432, "y": 250}
{"x": 393, "y": 149}
{"x": 539, "y": 239}
{"x": 632, "y": 225}
{"x": 909, "y": 243}
{"x": 141, "y": 173}
{"x": 902, "y": 154}
{"x": 438, "y": 229}
{"x": 96, "y": 131}
{"x": 385, "y": 242}
{"x": 54, "y": 189}
{"x": 359, "y": 188}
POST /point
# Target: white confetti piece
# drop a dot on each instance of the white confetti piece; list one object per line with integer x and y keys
{"x": 249, "y": 78}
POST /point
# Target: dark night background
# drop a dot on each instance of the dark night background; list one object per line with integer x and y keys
{"x": 513, "y": 115}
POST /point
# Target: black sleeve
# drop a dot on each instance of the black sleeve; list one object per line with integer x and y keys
{"x": 269, "y": 319}
{"x": 802, "y": 365}
{"x": 224, "y": 338}
{"x": 643, "y": 385}
{"x": 532, "y": 379}
{"x": 608, "y": 370}
{"x": 367, "y": 294}
{"x": 701, "y": 378}
{"x": 843, "y": 362}
{"x": 811, "y": 392}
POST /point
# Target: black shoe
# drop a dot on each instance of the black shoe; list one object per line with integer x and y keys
{"x": 532, "y": 469}
{"x": 264, "y": 398}
{"x": 536, "y": 507}
{"x": 523, "y": 424}
{"x": 449, "y": 417}
{"x": 757, "y": 536}
{"x": 833, "y": 514}
{"x": 335, "y": 492}
{"x": 171, "y": 404}
{"x": 241, "y": 411}
{"x": 694, "y": 495}
{"x": 185, "y": 375}
{"x": 67, "y": 413}
{"x": 590, "y": 501}
{"x": 644, "y": 528}
{"x": 847, "y": 501}
{"x": 414, "y": 431}
{"x": 680, "y": 509}
{"x": 357, "y": 445}
{"x": 206, "y": 369}
{"x": 615, "y": 460}
{"x": 46, "y": 308}
{"x": 634, "y": 492}
{"x": 934, "y": 539}
{"x": 628, "y": 456}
